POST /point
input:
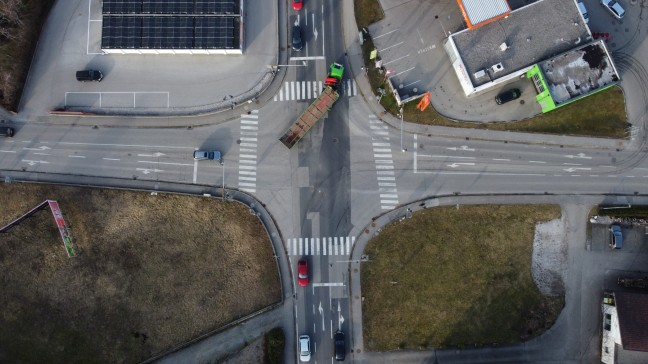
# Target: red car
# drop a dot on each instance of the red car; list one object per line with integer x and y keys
{"x": 297, "y": 4}
{"x": 302, "y": 267}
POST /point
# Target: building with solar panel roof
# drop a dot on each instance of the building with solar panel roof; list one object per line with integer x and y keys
{"x": 172, "y": 27}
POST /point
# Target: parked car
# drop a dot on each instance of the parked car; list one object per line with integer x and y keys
{"x": 213, "y": 155}
{"x": 507, "y": 96}
{"x": 296, "y": 38}
{"x": 617, "y": 236}
{"x": 304, "y": 348}
{"x": 614, "y": 8}
{"x": 297, "y": 4}
{"x": 340, "y": 346}
{"x": 6, "y": 131}
{"x": 302, "y": 268}
{"x": 89, "y": 75}
{"x": 583, "y": 11}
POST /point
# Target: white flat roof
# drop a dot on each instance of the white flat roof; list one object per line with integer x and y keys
{"x": 479, "y": 11}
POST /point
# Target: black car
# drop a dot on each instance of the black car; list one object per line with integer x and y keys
{"x": 296, "y": 38}
{"x": 507, "y": 96}
{"x": 6, "y": 131}
{"x": 89, "y": 75}
{"x": 340, "y": 346}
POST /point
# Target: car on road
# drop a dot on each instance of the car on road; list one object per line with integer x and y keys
{"x": 302, "y": 272}
{"x": 304, "y": 348}
{"x": 6, "y": 131}
{"x": 89, "y": 75}
{"x": 583, "y": 11}
{"x": 614, "y": 8}
{"x": 507, "y": 96}
{"x": 297, "y": 4}
{"x": 340, "y": 346}
{"x": 617, "y": 236}
{"x": 296, "y": 38}
{"x": 213, "y": 155}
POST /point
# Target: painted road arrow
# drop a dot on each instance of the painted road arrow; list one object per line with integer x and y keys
{"x": 321, "y": 311}
{"x": 463, "y": 147}
{"x": 157, "y": 154}
{"x": 39, "y": 148}
{"x": 31, "y": 163}
{"x": 576, "y": 169}
{"x": 147, "y": 171}
{"x": 455, "y": 165}
{"x": 579, "y": 155}
{"x": 340, "y": 317}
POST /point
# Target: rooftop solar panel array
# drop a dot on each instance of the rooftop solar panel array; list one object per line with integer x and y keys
{"x": 171, "y": 7}
{"x": 171, "y": 24}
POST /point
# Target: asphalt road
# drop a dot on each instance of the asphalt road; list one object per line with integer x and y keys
{"x": 351, "y": 168}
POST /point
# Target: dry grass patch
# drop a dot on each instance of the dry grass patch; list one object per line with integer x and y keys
{"x": 455, "y": 277}
{"x": 599, "y": 115}
{"x": 367, "y": 12}
{"x": 151, "y": 272}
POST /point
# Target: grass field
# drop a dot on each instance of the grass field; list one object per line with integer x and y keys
{"x": 455, "y": 277}
{"x": 151, "y": 272}
{"x": 599, "y": 115}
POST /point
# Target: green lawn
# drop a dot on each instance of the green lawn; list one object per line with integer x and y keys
{"x": 455, "y": 277}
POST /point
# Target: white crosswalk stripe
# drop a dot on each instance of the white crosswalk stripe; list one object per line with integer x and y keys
{"x": 309, "y": 90}
{"x": 339, "y": 246}
{"x": 248, "y": 151}
{"x": 384, "y": 163}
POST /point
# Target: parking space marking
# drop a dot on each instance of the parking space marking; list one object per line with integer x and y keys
{"x": 395, "y": 60}
{"x": 391, "y": 46}
{"x": 382, "y": 35}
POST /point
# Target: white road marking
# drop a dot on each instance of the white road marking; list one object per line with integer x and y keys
{"x": 7, "y": 151}
{"x": 32, "y": 162}
{"x": 338, "y": 284}
{"x": 76, "y": 156}
{"x": 169, "y": 163}
{"x": 392, "y": 46}
{"x": 111, "y": 159}
{"x": 195, "y": 172}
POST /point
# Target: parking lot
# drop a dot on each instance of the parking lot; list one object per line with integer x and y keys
{"x": 634, "y": 237}
{"x": 71, "y": 41}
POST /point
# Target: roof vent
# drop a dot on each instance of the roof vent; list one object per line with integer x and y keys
{"x": 497, "y": 67}
{"x": 503, "y": 47}
{"x": 479, "y": 74}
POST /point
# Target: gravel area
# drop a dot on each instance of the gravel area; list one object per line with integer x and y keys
{"x": 549, "y": 258}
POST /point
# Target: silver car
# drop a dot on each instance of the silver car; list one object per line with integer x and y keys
{"x": 213, "y": 155}
{"x": 614, "y": 8}
{"x": 304, "y": 348}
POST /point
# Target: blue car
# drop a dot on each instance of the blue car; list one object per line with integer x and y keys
{"x": 617, "y": 236}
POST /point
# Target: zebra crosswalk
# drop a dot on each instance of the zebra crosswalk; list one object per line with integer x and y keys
{"x": 325, "y": 246}
{"x": 384, "y": 163}
{"x": 306, "y": 90}
{"x": 248, "y": 151}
